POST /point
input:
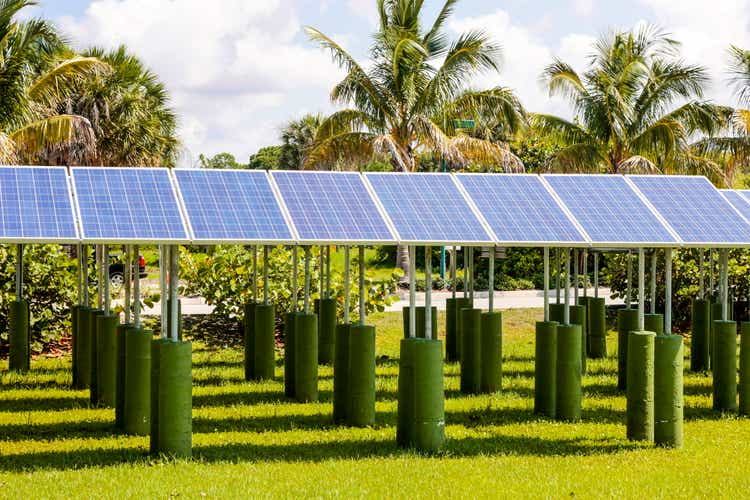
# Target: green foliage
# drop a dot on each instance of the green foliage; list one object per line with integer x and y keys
{"x": 50, "y": 286}
{"x": 534, "y": 151}
{"x": 297, "y": 138}
{"x": 221, "y": 160}
{"x": 267, "y": 158}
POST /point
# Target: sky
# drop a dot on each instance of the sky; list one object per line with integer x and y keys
{"x": 237, "y": 70}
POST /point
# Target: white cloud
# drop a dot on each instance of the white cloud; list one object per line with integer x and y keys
{"x": 584, "y": 7}
{"x": 229, "y": 69}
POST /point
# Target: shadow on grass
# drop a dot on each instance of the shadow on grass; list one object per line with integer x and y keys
{"x": 45, "y": 404}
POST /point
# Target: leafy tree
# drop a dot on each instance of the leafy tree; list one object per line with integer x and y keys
{"x": 297, "y": 139}
{"x": 637, "y": 107}
{"x": 267, "y": 158}
{"x": 221, "y": 160}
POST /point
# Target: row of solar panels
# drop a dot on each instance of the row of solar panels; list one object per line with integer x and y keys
{"x": 129, "y": 205}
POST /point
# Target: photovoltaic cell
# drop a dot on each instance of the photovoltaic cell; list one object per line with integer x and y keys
{"x": 738, "y": 201}
{"x": 128, "y": 205}
{"x": 610, "y": 210}
{"x": 333, "y": 207}
{"x": 232, "y": 206}
{"x": 695, "y": 209}
{"x": 520, "y": 209}
{"x": 428, "y": 208}
{"x": 35, "y": 205}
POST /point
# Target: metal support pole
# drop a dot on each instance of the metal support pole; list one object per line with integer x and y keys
{"x": 558, "y": 265}
{"x": 19, "y": 273}
{"x": 362, "y": 292}
{"x": 307, "y": 281}
{"x": 453, "y": 273}
{"x": 128, "y": 267}
{"x": 653, "y": 282}
{"x": 328, "y": 272}
{"x": 491, "y": 298}
{"x": 466, "y": 272}
{"x": 585, "y": 273}
{"x": 163, "y": 269}
{"x": 294, "y": 280}
{"x": 107, "y": 294}
{"x": 428, "y": 292}
{"x": 701, "y": 269}
{"x": 265, "y": 274}
{"x": 322, "y": 273}
{"x": 566, "y": 309}
{"x": 641, "y": 289}
{"x": 711, "y": 288}
{"x": 81, "y": 263}
{"x": 546, "y": 284}
{"x": 99, "y": 267}
{"x": 596, "y": 275}
{"x": 442, "y": 262}
{"x": 724, "y": 273}
{"x": 668, "y": 291}
{"x": 174, "y": 272}
{"x": 629, "y": 292}
{"x": 576, "y": 277}
{"x": 85, "y": 259}
{"x": 255, "y": 274}
{"x": 413, "y": 291}
{"x": 347, "y": 292}
{"x": 471, "y": 274}
{"x": 137, "y": 288}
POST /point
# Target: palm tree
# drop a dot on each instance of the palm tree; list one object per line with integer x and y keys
{"x": 404, "y": 101}
{"x": 297, "y": 138}
{"x": 637, "y": 107}
{"x": 34, "y": 69}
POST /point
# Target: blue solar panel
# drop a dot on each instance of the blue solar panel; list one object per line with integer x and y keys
{"x": 331, "y": 207}
{"x": 610, "y": 210}
{"x": 738, "y": 201}
{"x": 428, "y": 208}
{"x": 520, "y": 209}
{"x": 35, "y": 205}
{"x": 128, "y": 205}
{"x": 694, "y": 208}
{"x": 232, "y": 206}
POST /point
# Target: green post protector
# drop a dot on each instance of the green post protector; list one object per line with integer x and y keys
{"x": 83, "y": 355}
{"x": 156, "y": 346}
{"x": 640, "y": 403}
{"x": 461, "y": 304}
{"x": 654, "y": 323}
{"x": 597, "y": 328}
{"x": 138, "y": 377}
{"x": 557, "y": 313}
{"x": 471, "y": 347}
{"x": 264, "y": 362}
{"x": 74, "y": 343}
{"x": 744, "y": 387}
{"x": 405, "y": 426}
{"x": 451, "y": 324}
{"x": 716, "y": 311}
{"x": 545, "y": 368}
{"x": 361, "y": 412}
{"x": 306, "y": 358}
{"x": 19, "y": 356}
{"x": 289, "y": 321}
{"x": 419, "y": 323}
{"x": 94, "y": 397}
{"x": 106, "y": 331}
{"x": 725, "y": 369}
{"x": 120, "y": 375}
{"x": 579, "y": 317}
{"x": 627, "y": 321}
{"x": 568, "y": 373}
{"x": 700, "y": 334}
{"x": 327, "y": 331}
{"x": 249, "y": 327}
{"x": 175, "y": 430}
{"x": 429, "y": 396}
{"x": 668, "y": 391}
{"x": 341, "y": 374}
{"x": 491, "y": 352}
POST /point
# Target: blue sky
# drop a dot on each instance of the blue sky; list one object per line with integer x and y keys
{"x": 238, "y": 69}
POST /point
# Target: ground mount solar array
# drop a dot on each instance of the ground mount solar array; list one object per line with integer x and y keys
{"x": 194, "y": 206}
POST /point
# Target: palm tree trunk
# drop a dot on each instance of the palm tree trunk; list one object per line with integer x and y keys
{"x": 402, "y": 261}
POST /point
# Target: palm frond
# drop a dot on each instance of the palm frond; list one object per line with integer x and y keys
{"x": 55, "y": 133}
{"x": 53, "y": 84}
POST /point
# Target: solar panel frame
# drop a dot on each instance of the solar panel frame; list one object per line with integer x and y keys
{"x": 489, "y": 241}
{"x": 196, "y": 240}
{"x": 618, "y": 244}
{"x": 120, "y": 240}
{"x": 584, "y": 241}
{"x": 738, "y": 201}
{"x": 45, "y": 239}
{"x": 695, "y": 244}
{"x": 391, "y": 240}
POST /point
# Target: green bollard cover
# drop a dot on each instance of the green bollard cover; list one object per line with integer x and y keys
{"x": 556, "y": 313}
{"x": 264, "y": 361}
{"x": 138, "y": 373}
{"x": 289, "y": 321}
{"x": 83, "y": 355}
{"x": 419, "y": 323}
{"x": 668, "y": 391}
{"x": 744, "y": 385}
{"x": 74, "y": 343}
{"x": 175, "y": 421}
{"x": 429, "y": 396}
{"x": 361, "y": 412}
{"x": 451, "y": 350}
{"x": 249, "y": 328}
{"x": 700, "y": 334}
{"x": 461, "y": 304}
{"x": 156, "y": 346}
{"x": 627, "y": 321}
{"x": 94, "y": 396}
{"x": 578, "y": 316}
{"x": 306, "y": 357}
{"x": 640, "y": 392}
{"x": 491, "y": 352}
{"x": 654, "y": 323}
{"x": 327, "y": 331}
{"x": 725, "y": 369}
{"x": 106, "y": 331}
{"x": 597, "y": 312}
{"x": 341, "y": 374}
{"x": 471, "y": 355}
{"x": 545, "y": 368}
{"x": 19, "y": 356}
{"x": 405, "y": 427}
{"x": 715, "y": 315}
{"x": 120, "y": 375}
{"x": 568, "y": 396}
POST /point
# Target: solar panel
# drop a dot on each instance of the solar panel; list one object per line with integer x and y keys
{"x": 695, "y": 209}
{"x": 428, "y": 208}
{"x": 332, "y": 207}
{"x": 520, "y": 209}
{"x": 738, "y": 201}
{"x": 36, "y": 206}
{"x": 128, "y": 205}
{"x": 237, "y": 206}
{"x": 610, "y": 211}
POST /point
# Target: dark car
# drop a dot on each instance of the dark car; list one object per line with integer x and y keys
{"x": 117, "y": 270}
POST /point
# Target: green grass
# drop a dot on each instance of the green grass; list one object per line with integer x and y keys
{"x": 249, "y": 441}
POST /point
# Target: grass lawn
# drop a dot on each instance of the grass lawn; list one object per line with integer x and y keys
{"x": 248, "y": 441}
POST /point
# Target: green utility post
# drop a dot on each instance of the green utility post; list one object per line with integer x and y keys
{"x": 545, "y": 360}
{"x": 289, "y": 323}
{"x": 405, "y": 428}
{"x": 361, "y": 385}
{"x": 264, "y": 362}
{"x": 725, "y": 345}
{"x": 249, "y": 321}
{"x": 306, "y": 346}
{"x": 700, "y": 325}
{"x": 19, "y": 356}
{"x": 491, "y": 328}
{"x": 341, "y": 352}
{"x": 568, "y": 373}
